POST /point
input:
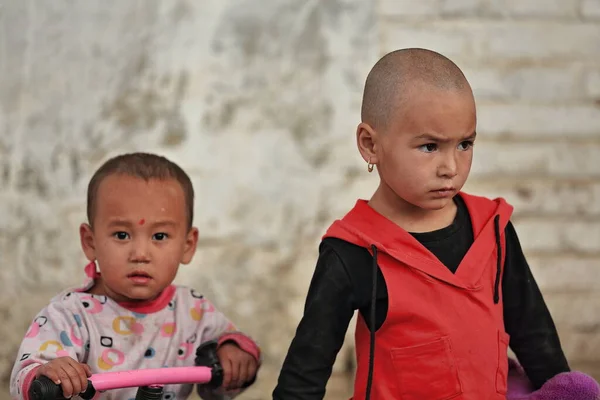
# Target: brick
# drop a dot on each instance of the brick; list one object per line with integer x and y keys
{"x": 592, "y": 84}
{"x": 483, "y": 42}
{"x": 462, "y": 7}
{"x": 575, "y": 312}
{"x": 538, "y": 120}
{"x": 545, "y": 84}
{"x": 543, "y": 41}
{"x": 565, "y": 274}
{"x": 453, "y": 44}
{"x": 591, "y": 368}
{"x": 410, "y": 8}
{"x": 534, "y": 8}
{"x": 542, "y": 235}
{"x": 580, "y": 347}
{"x": 488, "y": 83}
{"x": 538, "y": 159}
{"x": 543, "y": 197}
{"x": 590, "y": 9}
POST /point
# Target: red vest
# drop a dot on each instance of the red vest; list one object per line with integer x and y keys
{"x": 443, "y": 337}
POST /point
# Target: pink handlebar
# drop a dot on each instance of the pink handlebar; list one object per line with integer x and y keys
{"x": 153, "y": 376}
{"x": 208, "y": 371}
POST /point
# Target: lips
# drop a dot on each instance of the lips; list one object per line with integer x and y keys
{"x": 444, "y": 192}
{"x": 139, "y": 277}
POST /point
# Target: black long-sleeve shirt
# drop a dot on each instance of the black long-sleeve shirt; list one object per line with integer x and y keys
{"x": 338, "y": 289}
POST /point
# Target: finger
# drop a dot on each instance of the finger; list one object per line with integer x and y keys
{"x": 76, "y": 375}
{"x": 88, "y": 370}
{"x": 243, "y": 375}
{"x": 78, "y": 378}
{"x": 253, "y": 368}
{"x": 235, "y": 374}
{"x": 226, "y": 364}
{"x": 65, "y": 381}
{"x": 50, "y": 373}
{"x": 82, "y": 374}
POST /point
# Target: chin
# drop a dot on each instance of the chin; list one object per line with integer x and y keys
{"x": 141, "y": 295}
{"x": 436, "y": 204}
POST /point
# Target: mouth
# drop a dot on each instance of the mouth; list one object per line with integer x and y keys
{"x": 139, "y": 277}
{"x": 444, "y": 192}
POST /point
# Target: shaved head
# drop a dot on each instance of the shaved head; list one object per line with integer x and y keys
{"x": 393, "y": 77}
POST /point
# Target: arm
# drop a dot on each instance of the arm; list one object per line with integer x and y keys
{"x": 534, "y": 338}
{"x": 55, "y": 332}
{"x": 320, "y": 334}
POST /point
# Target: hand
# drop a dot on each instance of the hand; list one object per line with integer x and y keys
{"x": 67, "y": 372}
{"x": 239, "y": 367}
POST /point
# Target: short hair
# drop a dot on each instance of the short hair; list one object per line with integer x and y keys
{"x": 145, "y": 166}
{"x": 396, "y": 71}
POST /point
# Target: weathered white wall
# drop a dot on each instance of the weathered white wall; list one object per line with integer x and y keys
{"x": 258, "y": 100}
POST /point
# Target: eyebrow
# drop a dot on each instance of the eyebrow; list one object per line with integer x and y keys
{"x": 441, "y": 139}
{"x": 124, "y": 222}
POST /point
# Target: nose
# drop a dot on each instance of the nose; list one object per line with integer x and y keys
{"x": 140, "y": 251}
{"x": 448, "y": 167}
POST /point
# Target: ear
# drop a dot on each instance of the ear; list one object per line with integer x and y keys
{"x": 86, "y": 235}
{"x": 191, "y": 242}
{"x": 366, "y": 139}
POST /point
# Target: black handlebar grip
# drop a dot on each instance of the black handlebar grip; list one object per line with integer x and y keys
{"x": 43, "y": 388}
{"x": 206, "y": 356}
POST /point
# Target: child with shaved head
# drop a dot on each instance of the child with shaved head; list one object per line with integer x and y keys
{"x": 438, "y": 275}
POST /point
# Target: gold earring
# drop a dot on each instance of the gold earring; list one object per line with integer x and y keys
{"x": 370, "y": 166}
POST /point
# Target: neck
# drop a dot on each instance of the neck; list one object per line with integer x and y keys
{"x": 100, "y": 288}
{"x": 408, "y": 216}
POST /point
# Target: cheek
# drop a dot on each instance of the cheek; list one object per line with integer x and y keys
{"x": 169, "y": 255}
{"x": 466, "y": 161}
{"x": 108, "y": 252}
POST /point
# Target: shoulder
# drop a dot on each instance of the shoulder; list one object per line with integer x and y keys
{"x": 191, "y": 299}
{"x": 341, "y": 249}
{"x": 184, "y": 291}
{"x": 76, "y": 301}
{"x": 340, "y": 256}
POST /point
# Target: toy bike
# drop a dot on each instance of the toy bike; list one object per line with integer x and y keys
{"x": 207, "y": 372}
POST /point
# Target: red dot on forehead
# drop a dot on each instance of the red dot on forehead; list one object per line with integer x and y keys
{"x": 142, "y": 221}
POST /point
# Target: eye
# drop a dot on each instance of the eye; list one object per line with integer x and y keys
{"x": 121, "y": 235}
{"x": 466, "y": 145}
{"x": 160, "y": 236}
{"x": 428, "y": 148}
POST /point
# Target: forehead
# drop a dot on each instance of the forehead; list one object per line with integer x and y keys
{"x": 129, "y": 197}
{"x": 422, "y": 109}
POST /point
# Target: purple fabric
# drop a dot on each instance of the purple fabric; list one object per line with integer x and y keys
{"x": 566, "y": 386}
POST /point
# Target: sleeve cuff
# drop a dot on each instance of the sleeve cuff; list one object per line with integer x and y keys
{"x": 29, "y": 377}
{"x": 243, "y": 342}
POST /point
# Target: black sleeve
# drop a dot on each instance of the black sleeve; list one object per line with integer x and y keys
{"x": 534, "y": 338}
{"x": 329, "y": 307}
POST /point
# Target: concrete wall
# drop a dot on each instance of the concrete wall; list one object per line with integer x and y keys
{"x": 258, "y": 100}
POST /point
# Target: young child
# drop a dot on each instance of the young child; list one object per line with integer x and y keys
{"x": 438, "y": 275}
{"x": 129, "y": 315}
